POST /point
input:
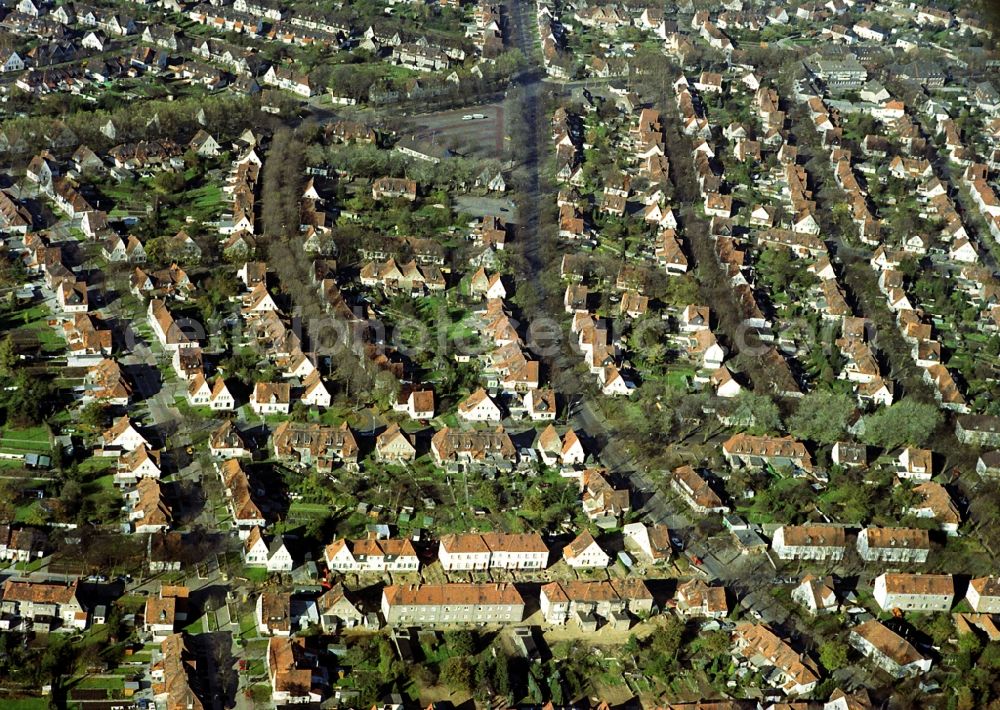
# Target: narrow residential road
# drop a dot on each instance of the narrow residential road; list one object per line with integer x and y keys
{"x": 522, "y": 34}
{"x": 854, "y": 272}
{"x": 585, "y": 416}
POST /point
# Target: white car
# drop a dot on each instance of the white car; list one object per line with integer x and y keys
{"x": 468, "y": 117}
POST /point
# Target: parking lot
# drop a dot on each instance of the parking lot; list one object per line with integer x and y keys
{"x": 477, "y": 138}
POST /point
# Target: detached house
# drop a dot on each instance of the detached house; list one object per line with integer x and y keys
{"x": 227, "y": 442}
{"x": 418, "y": 404}
{"x": 273, "y": 556}
{"x": 72, "y": 296}
{"x": 479, "y": 407}
{"x": 188, "y": 363}
{"x": 205, "y": 145}
{"x": 696, "y": 492}
{"x": 696, "y": 599}
{"x": 601, "y": 500}
{"x": 314, "y": 391}
{"x": 394, "y": 444}
{"x": 652, "y": 541}
{"x": 11, "y": 61}
{"x": 271, "y": 398}
{"x": 717, "y": 205}
{"x": 171, "y": 334}
{"x": 936, "y": 503}
{"x": 585, "y": 553}
{"x": 915, "y": 464}
{"x": 123, "y": 436}
{"x": 540, "y": 405}
{"x": 816, "y": 595}
{"x": 273, "y": 613}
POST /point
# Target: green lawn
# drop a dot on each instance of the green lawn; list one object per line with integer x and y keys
{"x": 112, "y": 682}
{"x": 95, "y": 464}
{"x": 132, "y": 603}
{"x": 104, "y": 483}
{"x": 205, "y": 197}
{"x": 308, "y": 510}
{"x": 680, "y": 378}
{"x": 248, "y": 626}
{"x": 25, "y": 513}
{"x": 25, "y": 440}
{"x": 25, "y": 703}
{"x": 256, "y": 575}
{"x": 198, "y": 627}
{"x": 30, "y": 315}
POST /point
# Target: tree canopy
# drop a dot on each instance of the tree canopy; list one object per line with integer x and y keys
{"x": 904, "y": 422}
{"x": 756, "y": 413}
{"x": 822, "y": 416}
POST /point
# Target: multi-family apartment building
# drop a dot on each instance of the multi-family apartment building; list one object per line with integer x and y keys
{"x": 888, "y": 650}
{"x": 474, "y": 551}
{"x": 372, "y": 555}
{"x": 316, "y": 445}
{"x": 455, "y": 447}
{"x": 796, "y": 674}
{"x": 983, "y": 595}
{"x": 176, "y": 680}
{"x": 757, "y": 451}
{"x": 41, "y": 606}
{"x": 909, "y": 545}
{"x": 914, "y": 592}
{"x": 585, "y": 601}
{"x": 809, "y": 542}
{"x": 435, "y": 604}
